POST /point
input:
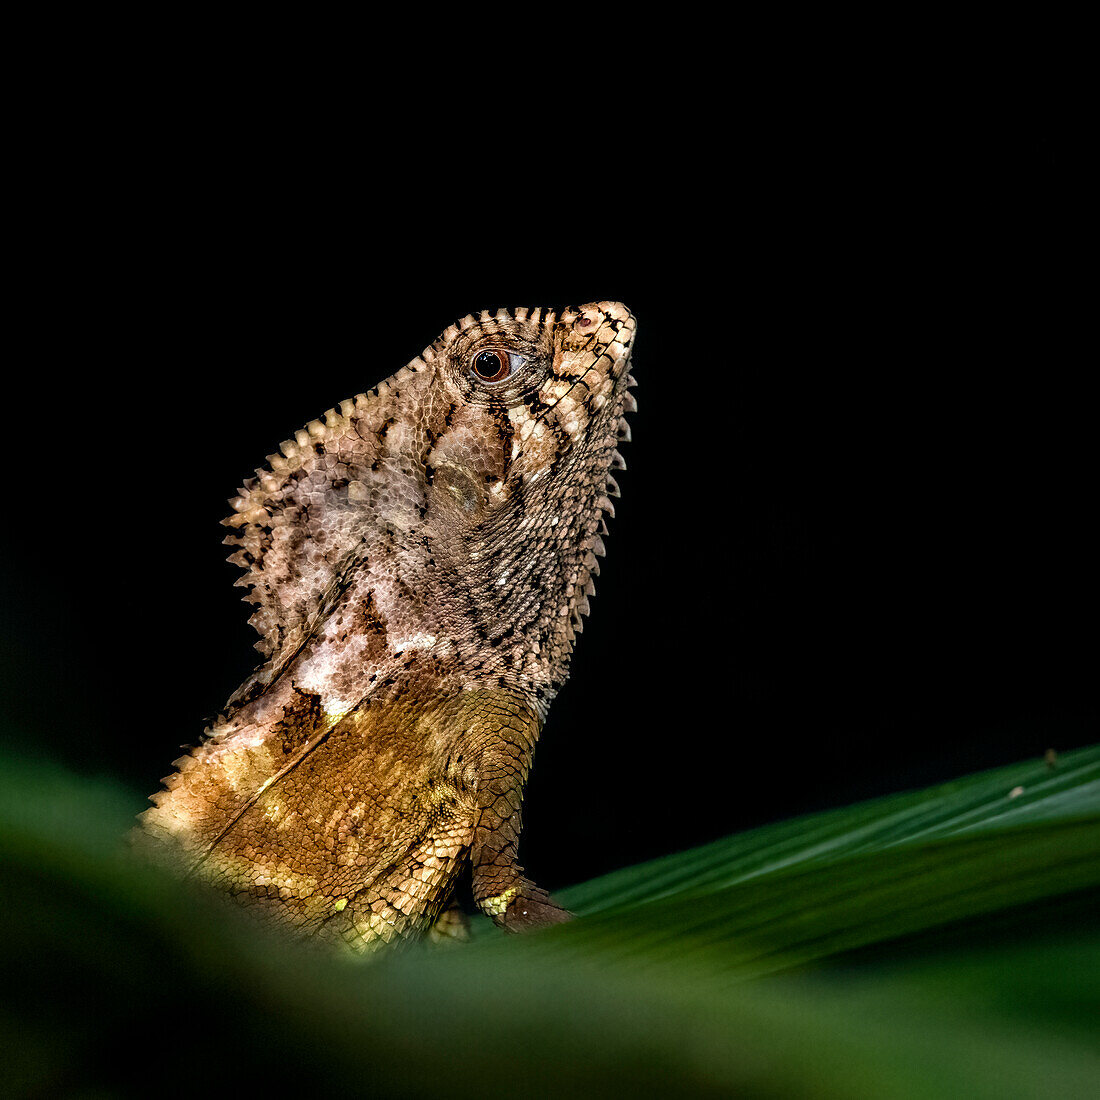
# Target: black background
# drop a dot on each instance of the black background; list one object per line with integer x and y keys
{"x": 851, "y": 552}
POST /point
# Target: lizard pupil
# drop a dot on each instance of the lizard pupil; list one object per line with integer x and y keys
{"x": 491, "y": 366}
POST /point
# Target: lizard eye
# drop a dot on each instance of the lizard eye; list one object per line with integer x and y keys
{"x": 494, "y": 365}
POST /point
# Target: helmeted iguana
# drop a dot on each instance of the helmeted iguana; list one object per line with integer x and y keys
{"x": 420, "y": 560}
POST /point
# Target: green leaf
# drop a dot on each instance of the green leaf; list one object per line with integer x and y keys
{"x": 978, "y": 803}
{"x": 935, "y": 943}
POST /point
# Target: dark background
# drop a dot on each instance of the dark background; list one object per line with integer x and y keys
{"x": 850, "y": 557}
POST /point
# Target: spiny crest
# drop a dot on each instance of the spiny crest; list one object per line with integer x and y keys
{"x": 288, "y": 568}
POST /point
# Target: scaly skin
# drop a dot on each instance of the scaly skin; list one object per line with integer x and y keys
{"x": 420, "y": 562}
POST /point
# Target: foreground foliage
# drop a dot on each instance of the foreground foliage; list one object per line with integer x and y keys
{"x": 940, "y": 942}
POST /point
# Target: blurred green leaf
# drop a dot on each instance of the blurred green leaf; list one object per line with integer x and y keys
{"x": 936, "y": 943}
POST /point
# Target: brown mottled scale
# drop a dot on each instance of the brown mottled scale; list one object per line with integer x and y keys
{"x": 419, "y": 560}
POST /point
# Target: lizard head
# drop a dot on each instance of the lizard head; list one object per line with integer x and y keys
{"x": 463, "y": 498}
{"x": 520, "y": 477}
